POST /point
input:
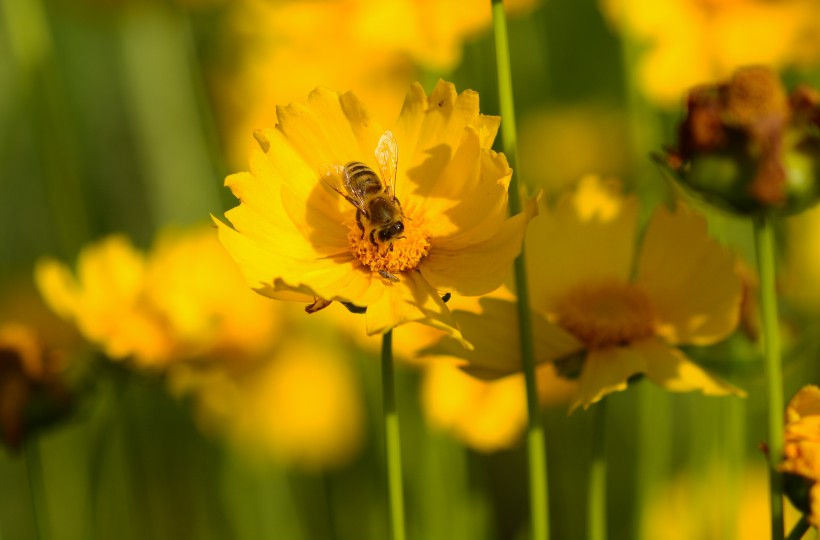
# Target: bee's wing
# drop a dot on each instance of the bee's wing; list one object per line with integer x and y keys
{"x": 337, "y": 178}
{"x": 387, "y": 156}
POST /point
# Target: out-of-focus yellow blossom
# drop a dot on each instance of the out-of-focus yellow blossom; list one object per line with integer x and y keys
{"x": 802, "y": 450}
{"x": 559, "y": 146}
{"x": 486, "y": 415}
{"x": 28, "y": 373}
{"x": 698, "y": 504}
{"x": 300, "y": 405}
{"x": 297, "y": 239}
{"x": 593, "y": 318}
{"x": 186, "y": 299}
{"x": 286, "y": 48}
{"x": 692, "y": 42}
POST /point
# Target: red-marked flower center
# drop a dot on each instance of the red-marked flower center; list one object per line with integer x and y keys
{"x": 606, "y": 314}
{"x": 400, "y": 254}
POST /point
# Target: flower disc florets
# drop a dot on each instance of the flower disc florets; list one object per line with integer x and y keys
{"x": 404, "y": 253}
{"x": 606, "y": 314}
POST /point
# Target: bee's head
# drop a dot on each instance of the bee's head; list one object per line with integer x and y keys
{"x": 391, "y": 231}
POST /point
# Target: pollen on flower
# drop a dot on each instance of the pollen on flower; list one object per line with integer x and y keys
{"x": 606, "y": 314}
{"x": 404, "y": 253}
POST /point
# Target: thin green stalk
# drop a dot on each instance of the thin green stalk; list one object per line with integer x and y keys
{"x": 596, "y": 501}
{"x": 764, "y": 243}
{"x": 800, "y": 529}
{"x": 536, "y": 446}
{"x": 34, "y": 472}
{"x": 392, "y": 441}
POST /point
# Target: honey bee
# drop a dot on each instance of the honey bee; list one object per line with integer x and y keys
{"x": 373, "y": 196}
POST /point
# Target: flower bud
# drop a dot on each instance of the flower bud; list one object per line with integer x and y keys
{"x": 748, "y": 147}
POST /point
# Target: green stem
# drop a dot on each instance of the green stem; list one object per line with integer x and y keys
{"x": 800, "y": 528}
{"x": 34, "y": 472}
{"x": 392, "y": 441}
{"x": 596, "y": 502}
{"x": 764, "y": 243}
{"x": 536, "y": 446}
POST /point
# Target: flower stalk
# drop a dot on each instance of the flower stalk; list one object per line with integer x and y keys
{"x": 395, "y": 492}
{"x": 34, "y": 472}
{"x": 536, "y": 447}
{"x": 764, "y": 244}
{"x": 596, "y": 495}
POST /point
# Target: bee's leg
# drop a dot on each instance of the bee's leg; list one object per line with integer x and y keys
{"x": 372, "y": 237}
{"x": 390, "y": 248}
{"x": 359, "y": 222}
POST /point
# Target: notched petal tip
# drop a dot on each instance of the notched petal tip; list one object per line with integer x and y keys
{"x": 262, "y": 139}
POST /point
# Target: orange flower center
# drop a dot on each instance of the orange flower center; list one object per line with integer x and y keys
{"x": 606, "y": 314}
{"x": 404, "y": 252}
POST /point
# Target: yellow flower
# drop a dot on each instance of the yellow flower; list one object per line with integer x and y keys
{"x": 162, "y": 307}
{"x": 692, "y": 42}
{"x": 593, "y": 318}
{"x": 285, "y": 49}
{"x": 300, "y": 405}
{"x": 802, "y": 450}
{"x": 486, "y": 415}
{"x": 295, "y": 238}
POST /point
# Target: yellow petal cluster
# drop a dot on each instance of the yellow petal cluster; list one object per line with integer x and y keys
{"x": 693, "y": 42}
{"x": 286, "y": 48}
{"x": 183, "y": 300}
{"x": 589, "y": 310}
{"x": 296, "y": 238}
{"x": 802, "y": 450}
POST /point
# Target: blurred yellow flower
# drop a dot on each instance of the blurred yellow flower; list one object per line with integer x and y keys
{"x": 160, "y": 308}
{"x": 485, "y": 415}
{"x": 692, "y": 42}
{"x": 313, "y": 43}
{"x": 594, "y": 320}
{"x": 708, "y": 505}
{"x": 299, "y": 405}
{"x": 297, "y": 239}
{"x": 802, "y": 450}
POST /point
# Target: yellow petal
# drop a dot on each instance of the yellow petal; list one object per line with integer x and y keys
{"x": 411, "y": 299}
{"x": 467, "y": 202}
{"x": 690, "y": 279}
{"x": 322, "y": 132}
{"x": 479, "y": 268}
{"x": 428, "y": 132}
{"x": 804, "y": 403}
{"x": 494, "y": 333}
{"x": 608, "y": 370}
{"x": 670, "y": 369}
{"x": 589, "y": 236}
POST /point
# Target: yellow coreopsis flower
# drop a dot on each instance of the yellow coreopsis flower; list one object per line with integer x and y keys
{"x": 692, "y": 42}
{"x": 440, "y": 223}
{"x": 314, "y": 41}
{"x": 802, "y": 451}
{"x": 299, "y": 405}
{"x": 153, "y": 308}
{"x": 594, "y": 320}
